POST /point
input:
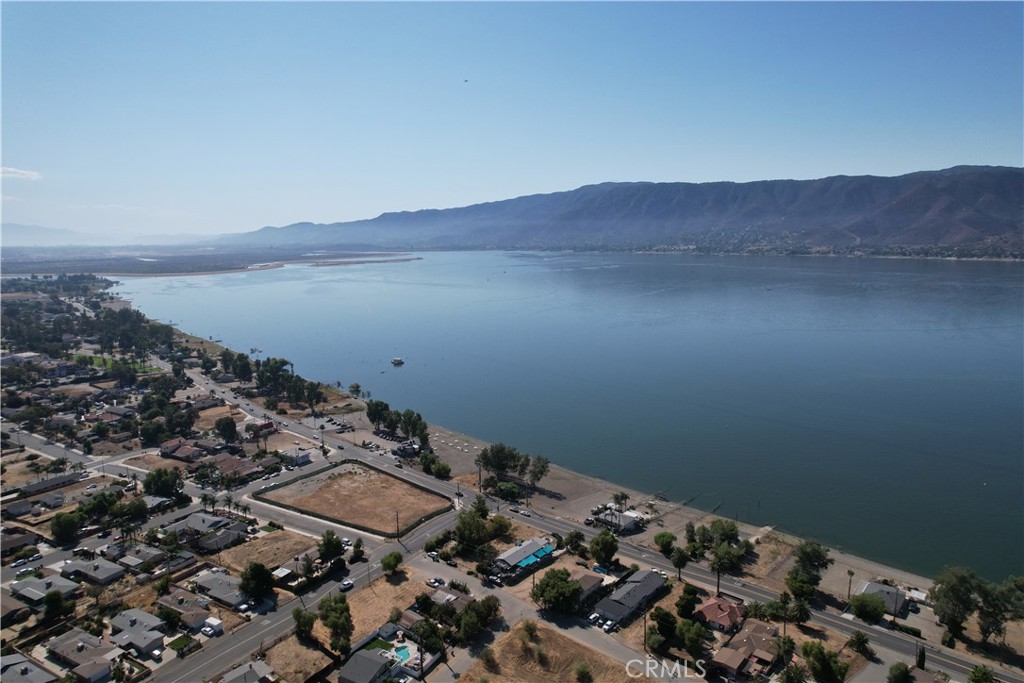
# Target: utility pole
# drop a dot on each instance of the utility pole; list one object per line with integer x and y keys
{"x": 398, "y": 533}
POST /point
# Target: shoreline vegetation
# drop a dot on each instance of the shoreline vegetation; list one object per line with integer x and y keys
{"x": 168, "y": 262}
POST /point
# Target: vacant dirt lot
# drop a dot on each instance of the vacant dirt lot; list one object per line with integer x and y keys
{"x": 152, "y": 461}
{"x": 371, "y": 606}
{"x": 16, "y": 469}
{"x": 295, "y": 661}
{"x": 271, "y": 550}
{"x": 208, "y": 418}
{"x": 360, "y": 495}
{"x": 559, "y": 655}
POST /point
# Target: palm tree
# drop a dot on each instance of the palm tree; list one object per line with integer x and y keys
{"x": 620, "y": 500}
{"x": 859, "y": 642}
{"x": 849, "y": 584}
{"x": 679, "y": 560}
{"x": 244, "y": 509}
{"x": 794, "y": 673}
{"x": 756, "y": 610}
{"x": 229, "y": 502}
{"x": 785, "y": 646}
{"x": 799, "y": 612}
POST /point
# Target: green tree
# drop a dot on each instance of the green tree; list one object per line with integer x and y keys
{"x": 55, "y": 606}
{"x": 574, "y": 540}
{"x": 538, "y": 469}
{"x": 603, "y": 547}
{"x": 664, "y": 541}
{"x": 799, "y": 612}
{"x": 655, "y": 641}
{"x": 357, "y": 550}
{"x": 470, "y": 529}
{"x": 692, "y": 635}
{"x": 557, "y": 591}
{"x": 337, "y": 617}
{"x": 257, "y": 581}
{"x": 664, "y": 621}
{"x": 479, "y": 507}
{"x": 687, "y": 602}
{"x": 868, "y": 606}
{"x": 330, "y": 546}
{"x": 679, "y": 561}
{"x": 500, "y": 459}
{"x": 954, "y": 597}
{"x": 65, "y": 526}
{"x": 794, "y": 673}
{"x": 724, "y": 559}
{"x": 620, "y": 499}
{"x": 163, "y": 482}
{"x": 304, "y": 622}
{"x": 994, "y": 607}
{"x": 981, "y": 674}
{"x": 227, "y": 429}
{"x": 859, "y": 642}
{"x": 899, "y": 673}
{"x": 389, "y": 563}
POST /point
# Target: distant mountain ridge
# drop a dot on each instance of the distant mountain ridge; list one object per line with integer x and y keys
{"x": 965, "y": 210}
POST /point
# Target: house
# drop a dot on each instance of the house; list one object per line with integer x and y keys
{"x": 137, "y": 557}
{"x": 457, "y": 601}
{"x": 96, "y": 571}
{"x": 33, "y": 590}
{"x": 17, "y": 668}
{"x": 189, "y": 606}
{"x": 199, "y": 523}
{"x": 619, "y": 522}
{"x": 222, "y": 588}
{"x": 589, "y": 583}
{"x": 14, "y": 539}
{"x": 256, "y": 671}
{"x": 135, "y": 629}
{"x": 12, "y": 610}
{"x": 631, "y": 596}
{"x": 44, "y": 485}
{"x": 169, "y": 448}
{"x": 408, "y": 620}
{"x": 53, "y": 500}
{"x": 291, "y": 570}
{"x": 296, "y": 456}
{"x": 526, "y": 556}
{"x": 156, "y": 503}
{"x": 17, "y": 508}
{"x": 86, "y": 655}
{"x": 750, "y": 652}
{"x": 364, "y": 666}
{"x": 721, "y": 614}
{"x": 894, "y": 597}
{"x": 228, "y": 464}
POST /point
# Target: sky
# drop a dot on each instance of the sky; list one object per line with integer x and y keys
{"x": 136, "y": 119}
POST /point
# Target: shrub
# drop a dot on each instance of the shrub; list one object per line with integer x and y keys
{"x": 489, "y": 660}
{"x": 583, "y": 674}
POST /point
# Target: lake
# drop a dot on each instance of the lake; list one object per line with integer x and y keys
{"x": 874, "y": 404}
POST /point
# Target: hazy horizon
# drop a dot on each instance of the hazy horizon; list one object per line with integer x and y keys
{"x": 130, "y": 120}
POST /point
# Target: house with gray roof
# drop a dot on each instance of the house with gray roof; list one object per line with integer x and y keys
{"x": 135, "y": 629}
{"x": 33, "y": 590}
{"x": 86, "y": 655}
{"x": 256, "y": 671}
{"x": 135, "y": 558}
{"x": 17, "y": 668}
{"x": 635, "y": 593}
{"x": 198, "y": 523}
{"x": 96, "y": 571}
{"x": 365, "y": 666}
{"x": 12, "y": 610}
{"x": 222, "y": 588}
{"x": 190, "y": 607}
{"x": 44, "y": 485}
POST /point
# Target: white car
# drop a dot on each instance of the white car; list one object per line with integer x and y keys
{"x": 594, "y": 618}
{"x": 207, "y": 631}
{"x": 608, "y": 627}
{"x": 525, "y": 513}
{"x": 90, "y": 487}
{"x": 347, "y": 585}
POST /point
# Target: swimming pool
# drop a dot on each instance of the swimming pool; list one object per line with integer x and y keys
{"x": 403, "y": 653}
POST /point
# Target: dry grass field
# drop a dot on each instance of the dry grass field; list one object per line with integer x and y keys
{"x": 360, "y": 495}
{"x": 271, "y": 550}
{"x": 153, "y": 461}
{"x": 550, "y": 656}
{"x": 16, "y": 469}
{"x": 208, "y": 418}
{"x": 294, "y": 661}
{"x": 371, "y": 606}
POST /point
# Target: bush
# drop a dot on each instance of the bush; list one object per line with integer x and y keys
{"x": 489, "y": 660}
{"x": 911, "y": 630}
{"x": 583, "y": 674}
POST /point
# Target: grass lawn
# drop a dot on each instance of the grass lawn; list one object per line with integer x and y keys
{"x": 181, "y": 642}
{"x": 378, "y": 644}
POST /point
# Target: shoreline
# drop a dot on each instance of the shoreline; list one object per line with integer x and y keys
{"x": 569, "y": 495}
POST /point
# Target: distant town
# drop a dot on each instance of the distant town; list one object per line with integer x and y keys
{"x": 174, "y": 510}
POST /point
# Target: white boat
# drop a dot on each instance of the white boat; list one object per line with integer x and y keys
{"x": 397, "y": 361}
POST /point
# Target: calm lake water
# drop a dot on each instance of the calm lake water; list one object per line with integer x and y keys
{"x": 873, "y": 404}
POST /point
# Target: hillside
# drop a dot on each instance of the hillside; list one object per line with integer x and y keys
{"x": 966, "y": 210}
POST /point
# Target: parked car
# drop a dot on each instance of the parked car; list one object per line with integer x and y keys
{"x": 451, "y": 563}
{"x": 594, "y": 618}
{"x": 525, "y": 513}
{"x": 608, "y": 627}
{"x": 90, "y": 487}
{"x": 35, "y": 557}
{"x": 25, "y": 570}
{"x": 19, "y": 563}
{"x": 432, "y": 555}
{"x": 589, "y": 521}
{"x": 347, "y": 585}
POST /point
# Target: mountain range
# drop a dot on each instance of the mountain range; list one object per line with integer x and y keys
{"x": 965, "y": 210}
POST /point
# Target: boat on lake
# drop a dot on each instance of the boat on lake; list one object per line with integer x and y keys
{"x": 397, "y": 362}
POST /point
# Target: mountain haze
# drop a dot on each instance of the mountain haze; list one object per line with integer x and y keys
{"x": 974, "y": 210}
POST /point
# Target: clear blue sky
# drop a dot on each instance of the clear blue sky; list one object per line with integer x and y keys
{"x": 224, "y": 117}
